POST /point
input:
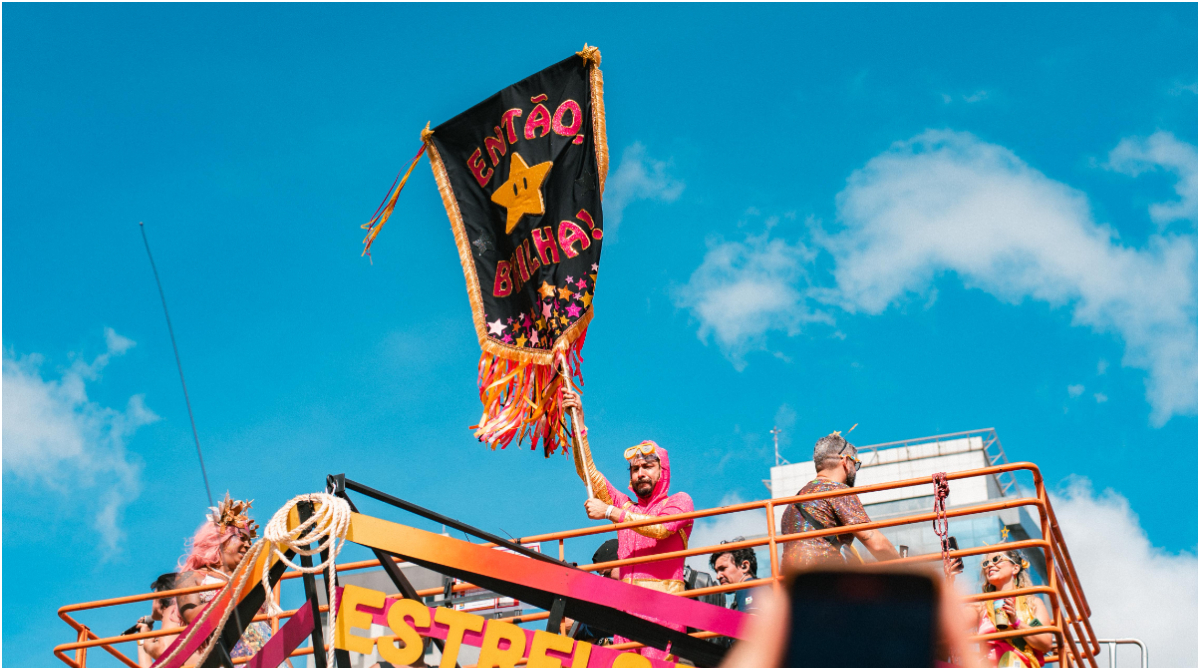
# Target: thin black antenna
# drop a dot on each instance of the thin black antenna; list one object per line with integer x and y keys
{"x": 178, "y": 364}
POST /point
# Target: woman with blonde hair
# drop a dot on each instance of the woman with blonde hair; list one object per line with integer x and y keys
{"x": 1006, "y": 571}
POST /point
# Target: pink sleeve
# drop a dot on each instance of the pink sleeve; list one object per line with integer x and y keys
{"x": 619, "y": 499}
{"x": 679, "y": 503}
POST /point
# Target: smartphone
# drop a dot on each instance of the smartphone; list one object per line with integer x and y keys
{"x": 858, "y": 619}
{"x": 956, "y": 564}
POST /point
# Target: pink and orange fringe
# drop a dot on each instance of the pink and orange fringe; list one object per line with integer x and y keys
{"x": 525, "y": 398}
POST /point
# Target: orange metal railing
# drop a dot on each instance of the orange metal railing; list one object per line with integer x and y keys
{"x": 1076, "y": 642}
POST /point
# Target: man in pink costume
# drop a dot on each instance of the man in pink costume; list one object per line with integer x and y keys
{"x": 650, "y": 480}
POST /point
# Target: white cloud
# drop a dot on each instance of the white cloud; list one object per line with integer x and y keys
{"x": 1075, "y": 390}
{"x": 949, "y": 202}
{"x": 946, "y": 201}
{"x": 1179, "y": 88}
{"x": 1135, "y": 155}
{"x": 1134, "y": 589}
{"x": 744, "y": 289}
{"x": 969, "y": 98}
{"x": 637, "y": 177}
{"x": 55, "y": 436}
{"x": 1100, "y": 398}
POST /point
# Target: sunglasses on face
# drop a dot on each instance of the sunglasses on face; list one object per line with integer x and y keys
{"x": 242, "y": 535}
{"x": 995, "y": 560}
{"x": 643, "y": 449}
{"x": 853, "y": 459}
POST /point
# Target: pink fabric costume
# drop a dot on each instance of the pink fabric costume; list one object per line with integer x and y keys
{"x": 648, "y": 540}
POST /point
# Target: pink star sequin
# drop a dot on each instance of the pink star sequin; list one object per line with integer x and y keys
{"x": 581, "y": 283}
{"x": 572, "y": 311}
{"x": 570, "y": 279}
{"x": 546, "y": 310}
{"x": 533, "y": 338}
{"x": 496, "y": 327}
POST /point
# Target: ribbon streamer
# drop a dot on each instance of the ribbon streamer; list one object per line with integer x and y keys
{"x": 384, "y": 211}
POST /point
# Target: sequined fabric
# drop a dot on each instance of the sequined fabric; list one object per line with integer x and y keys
{"x": 830, "y": 512}
{"x": 253, "y": 639}
{"x": 256, "y": 634}
{"x": 660, "y": 575}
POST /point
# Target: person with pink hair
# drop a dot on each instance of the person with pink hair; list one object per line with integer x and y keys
{"x": 650, "y": 481}
{"x": 213, "y": 554}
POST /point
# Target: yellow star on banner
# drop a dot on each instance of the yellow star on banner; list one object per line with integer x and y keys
{"x": 546, "y": 290}
{"x": 541, "y": 324}
{"x": 586, "y": 299}
{"x": 521, "y": 341}
{"x": 522, "y": 193}
{"x": 564, "y": 293}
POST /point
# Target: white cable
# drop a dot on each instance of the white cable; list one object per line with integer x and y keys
{"x": 330, "y": 522}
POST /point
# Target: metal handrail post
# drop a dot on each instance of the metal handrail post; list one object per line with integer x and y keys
{"x": 771, "y": 543}
{"x": 1112, "y": 650}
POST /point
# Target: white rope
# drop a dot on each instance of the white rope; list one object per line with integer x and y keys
{"x": 329, "y": 523}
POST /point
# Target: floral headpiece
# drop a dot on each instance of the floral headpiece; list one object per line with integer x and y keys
{"x": 232, "y": 513}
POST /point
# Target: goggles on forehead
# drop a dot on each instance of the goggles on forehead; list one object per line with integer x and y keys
{"x": 645, "y": 449}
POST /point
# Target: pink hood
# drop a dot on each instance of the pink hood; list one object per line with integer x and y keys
{"x": 664, "y": 482}
{"x": 659, "y": 503}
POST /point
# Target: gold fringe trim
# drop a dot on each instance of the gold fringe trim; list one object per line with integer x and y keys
{"x": 524, "y": 355}
{"x": 460, "y": 237}
{"x": 599, "y": 132}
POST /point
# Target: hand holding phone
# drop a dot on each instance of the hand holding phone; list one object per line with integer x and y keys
{"x": 862, "y": 619}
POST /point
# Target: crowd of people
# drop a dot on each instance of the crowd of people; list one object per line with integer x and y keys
{"x": 218, "y": 545}
{"x": 837, "y": 464}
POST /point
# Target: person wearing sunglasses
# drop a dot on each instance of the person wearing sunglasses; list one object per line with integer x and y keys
{"x": 1005, "y": 571}
{"x": 650, "y": 482}
{"x": 837, "y": 465}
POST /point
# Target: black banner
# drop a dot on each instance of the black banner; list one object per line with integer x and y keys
{"x": 521, "y": 175}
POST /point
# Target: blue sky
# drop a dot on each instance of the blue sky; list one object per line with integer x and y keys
{"x": 920, "y": 219}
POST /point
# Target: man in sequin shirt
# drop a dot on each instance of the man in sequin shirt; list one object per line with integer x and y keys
{"x": 837, "y": 463}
